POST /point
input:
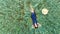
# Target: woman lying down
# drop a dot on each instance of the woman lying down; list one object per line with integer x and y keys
{"x": 34, "y": 20}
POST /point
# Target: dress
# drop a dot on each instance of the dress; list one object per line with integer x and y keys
{"x": 33, "y": 16}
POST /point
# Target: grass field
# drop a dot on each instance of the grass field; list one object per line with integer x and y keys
{"x": 15, "y": 17}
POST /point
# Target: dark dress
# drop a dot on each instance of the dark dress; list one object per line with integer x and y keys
{"x": 33, "y": 16}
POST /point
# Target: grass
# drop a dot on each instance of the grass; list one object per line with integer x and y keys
{"x": 15, "y": 17}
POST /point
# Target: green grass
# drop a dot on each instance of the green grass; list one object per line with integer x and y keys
{"x": 15, "y": 17}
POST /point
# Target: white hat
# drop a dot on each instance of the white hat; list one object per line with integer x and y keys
{"x": 44, "y": 11}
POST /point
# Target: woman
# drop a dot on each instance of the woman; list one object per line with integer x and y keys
{"x": 33, "y": 17}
